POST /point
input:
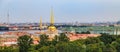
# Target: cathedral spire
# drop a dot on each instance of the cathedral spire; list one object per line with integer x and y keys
{"x": 40, "y": 22}
{"x": 52, "y": 17}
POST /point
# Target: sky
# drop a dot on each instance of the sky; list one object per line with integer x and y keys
{"x": 30, "y": 11}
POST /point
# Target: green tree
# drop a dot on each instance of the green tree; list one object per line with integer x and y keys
{"x": 118, "y": 40}
{"x": 107, "y": 39}
{"x": 93, "y": 48}
{"x": 109, "y": 48}
{"x": 92, "y": 40}
{"x": 24, "y": 43}
{"x": 44, "y": 40}
{"x": 118, "y": 48}
{"x": 47, "y": 49}
{"x": 87, "y": 32}
{"x": 116, "y": 45}
{"x": 32, "y": 49}
{"x": 70, "y": 47}
{"x": 81, "y": 41}
{"x": 63, "y": 38}
{"x": 55, "y": 40}
{"x": 8, "y": 49}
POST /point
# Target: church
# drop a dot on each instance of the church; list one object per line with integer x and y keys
{"x": 51, "y": 30}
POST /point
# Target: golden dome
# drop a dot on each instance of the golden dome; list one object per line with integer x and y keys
{"x": 52, "y": 28}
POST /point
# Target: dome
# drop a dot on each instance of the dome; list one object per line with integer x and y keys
{"x": 52, "y": 28}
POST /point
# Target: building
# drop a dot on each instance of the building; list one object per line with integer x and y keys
{"x": 52, "y": 30}
{"x": 4, "y": 28}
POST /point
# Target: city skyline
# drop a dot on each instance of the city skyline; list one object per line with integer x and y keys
{"x": 64, "y": 10}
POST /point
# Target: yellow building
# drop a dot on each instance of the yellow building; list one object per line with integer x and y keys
{"x": 52, "y": 30}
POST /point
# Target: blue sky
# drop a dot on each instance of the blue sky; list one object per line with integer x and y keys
{"x": 64, "y": 10}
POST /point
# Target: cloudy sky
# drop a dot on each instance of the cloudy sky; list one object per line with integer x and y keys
{"x": 64, "y": 10}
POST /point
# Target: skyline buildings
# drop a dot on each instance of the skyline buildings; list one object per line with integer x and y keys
{"x": 65, "y": 11}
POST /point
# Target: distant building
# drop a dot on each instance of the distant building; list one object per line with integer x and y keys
{"x": 4, "y": 28}
{"x": 51, "y": 29}
{"x": 73, "y": 36}
{"x": 118, "y": 22}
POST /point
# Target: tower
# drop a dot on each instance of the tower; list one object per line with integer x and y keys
{"x": 40, "y": 23}
{"x": 52, "y": 30}
{"x": 52, "y": 18}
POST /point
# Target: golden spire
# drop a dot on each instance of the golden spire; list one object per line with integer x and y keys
{"x": 52, "y": 17}
{"x": 52, "y": 27}
{"x": 40, "y": 22}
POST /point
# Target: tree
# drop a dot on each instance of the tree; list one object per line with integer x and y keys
{"x": 106, "y": 38}
{"x": 109, "y": 48}
{"x": 92, "y": 40}
{"x": 87, "y": 32}
{"x": 118, "y": 48}
{"x": 44, "y": 40}
{"x": 82, "y": 41}
{"x": 24, "y": 43}
{"x": 47, "y": 49}
{"x": 8, "y": 49}
{"x": 55, "y": 40}
{"x": 70, "y": 47}
{"x": 83, "y": 33}
{"x": 118, "y": 40}
{"x": 93, "y": 48}
{"x": 32, "y": 49}
{"x": 63, "y": 38}
{"x": 116, "y": 45}
{"x": 77, "y": 32}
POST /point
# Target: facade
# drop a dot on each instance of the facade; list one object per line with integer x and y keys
{"x": 52, "y": 30}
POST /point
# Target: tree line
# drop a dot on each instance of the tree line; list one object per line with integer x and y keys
{"x": 103, "y": 43}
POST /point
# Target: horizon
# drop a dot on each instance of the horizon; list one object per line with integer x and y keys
{"x": 83, "y": 11}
